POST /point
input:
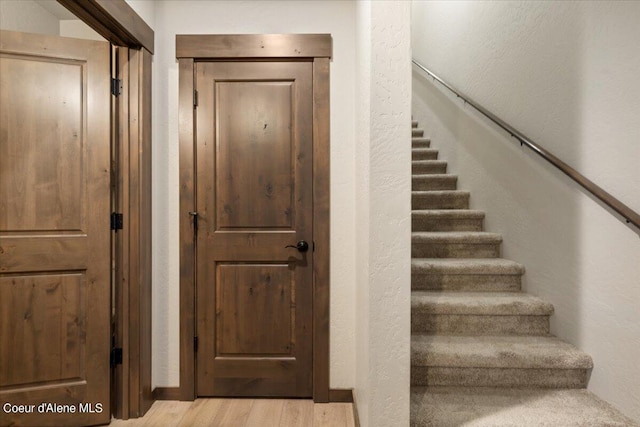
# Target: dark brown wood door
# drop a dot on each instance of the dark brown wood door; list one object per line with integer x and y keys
{"x": 254, "y": 197}
{"x": 54, "y": 230}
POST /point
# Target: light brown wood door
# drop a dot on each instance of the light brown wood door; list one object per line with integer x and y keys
{"x": 254, "y": 198}
{"x": 54, "y": 229}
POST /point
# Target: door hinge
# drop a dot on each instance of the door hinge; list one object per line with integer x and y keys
{"x": 116, "y": 356}
{"x": 195, "y": 98}
{"x": 195, "y": 344}
{"x": 116, "y": 87}
{"x": 117, "y": 221}
{"x": 194, "y": 215}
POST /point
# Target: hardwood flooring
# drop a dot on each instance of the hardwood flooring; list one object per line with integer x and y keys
{"x": 244, "y": 413}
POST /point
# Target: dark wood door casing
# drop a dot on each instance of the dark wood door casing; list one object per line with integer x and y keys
{"x": 131, "y": 166}
{"x": 117, "y": 22}
{"x": 254, "y": 197}
{"x": 316, "y": 50}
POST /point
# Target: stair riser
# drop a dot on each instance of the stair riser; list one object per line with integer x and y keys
{"x": 426, "y": 168}
{"x": 440, "y": 201}
{"x": 433, "y": 184}
{"x": 414, "y": 123}
{"x": 433, "y": 224}
{"x": 466, "y": 282}
{"x": 498, "y": 377}
{"x": 417, "y": 132}
{"x": 454, "y": 324}
{"x": 424, "y": 155}
{"x": 420, "y": 143}
{"x": 454, "y": 250}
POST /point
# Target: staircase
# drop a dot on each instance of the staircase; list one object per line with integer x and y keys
{"x": 481, "y": 351}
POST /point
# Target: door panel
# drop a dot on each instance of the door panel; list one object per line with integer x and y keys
{"x": 253, "y": 173}
{"x": 254, "y": 197}
{"x": 261, "y": 322}
{"x": 54, "y": 227}
{"x": 51, "y": 197}
{"x": 50, "y": 330}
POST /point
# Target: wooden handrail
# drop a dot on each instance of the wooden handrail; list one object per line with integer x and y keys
{"x": 625, "y": 211}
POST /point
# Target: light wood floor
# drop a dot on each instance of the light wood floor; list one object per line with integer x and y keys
{"x": 244, "y": 413}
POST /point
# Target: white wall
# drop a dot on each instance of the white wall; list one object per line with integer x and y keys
{"x": 146, "y": 9}
{"x": 566, "y": 75}
{"x": 27, "y": 16}
{"x": 383, "y": 212}
{"x": 31, "y": 17}
{"x": 78, "y": 29}
{"x": 230, "y": 17}
{"x": 361, "y": 392}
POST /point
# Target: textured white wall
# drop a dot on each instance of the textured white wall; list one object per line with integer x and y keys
{"x": 566, "y": 75}
{"x": 77, "y": 29}
{"x": 362, "y": 389}
{"x": 27, "y": 16}
{"x": 231, "y": 17}
{"x": 383, "y": 212}
{"x": 146, "y": 9}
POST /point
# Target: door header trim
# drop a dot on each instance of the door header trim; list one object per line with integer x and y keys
{"x": 114, "y": 20}
{"x": 253, "y": 46}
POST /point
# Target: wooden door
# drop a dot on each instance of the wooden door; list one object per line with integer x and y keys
{"x": 254, "y": 197}
{"x": 54, "y": 229}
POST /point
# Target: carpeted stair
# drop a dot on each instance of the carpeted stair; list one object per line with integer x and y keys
{"x": 481, "y": 351}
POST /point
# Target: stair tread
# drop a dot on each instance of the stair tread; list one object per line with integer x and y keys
{"x": 482, "y": 303}
{"x": 503, "y": 351}
{"x": 460, "y": 266}
{"x": 433, "y": 181}
{"x": 502, "y": 406}
{"x": 440, "y": 199}
{"x": 435, "y": 176}
{"x": 441, "y": 192}
{"x": 420, "y": 139}
{"x": 429, "y": 162}
{"x": 428, "y": 166}
{"x": 456, "y": 236}
{"x": 449, "y": 213}
{"x": 422, "y": 153}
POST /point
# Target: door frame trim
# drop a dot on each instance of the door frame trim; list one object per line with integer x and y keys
{"x": 132, "y": 244}
{"x": 114, "y": 20}
{"x": 317, "y": 49}
{"x": 117, "y": 22}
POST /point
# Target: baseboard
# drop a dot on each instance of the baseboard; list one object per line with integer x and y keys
{"x": 166, "y": 393}
{"x": 173, "y": 393}
{"x": 344, "y": 395}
